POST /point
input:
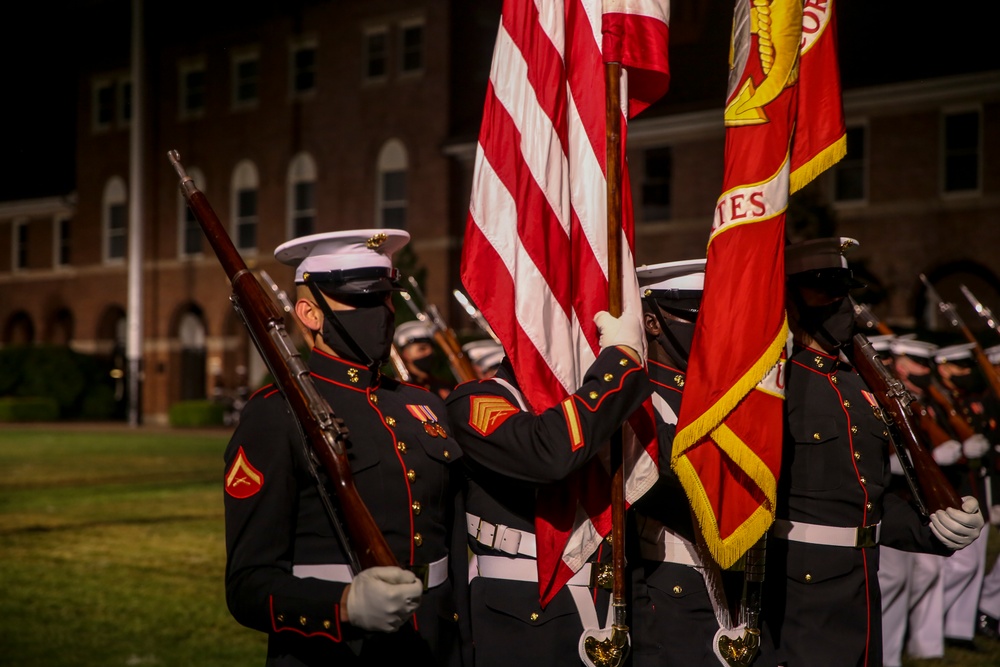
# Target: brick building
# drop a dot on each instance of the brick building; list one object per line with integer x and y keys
{"x": 322, "y": 115}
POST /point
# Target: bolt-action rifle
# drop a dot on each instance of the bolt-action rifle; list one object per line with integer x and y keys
{"x": 323, "y": 432}
{"x": 931, "y": 490}
{"x": 443, "y": 335}
{"x": 951, "y": 314}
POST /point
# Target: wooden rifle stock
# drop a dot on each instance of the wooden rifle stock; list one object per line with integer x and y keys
{"x": 325, "y": 433}
{"x": 443, "y": 335}
{"x": 931, "y": 489}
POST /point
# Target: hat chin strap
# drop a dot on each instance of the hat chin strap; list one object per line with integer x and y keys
{"x": 329, "y": 314}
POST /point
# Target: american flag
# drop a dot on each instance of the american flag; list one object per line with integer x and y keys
{"x": 784, "y": 126}
{"x": 535, "y": 256}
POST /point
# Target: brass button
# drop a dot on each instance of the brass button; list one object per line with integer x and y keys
{"x": 302, "y": 620}
{"x": 416, "y": 506}
{"x": 816, "y": 436}
{"x": 281, "y": 617}
{"x": 401, "y": 446}
{"x": 833, "y": 379}
{"x": 809, "y": 577}
{"x": 885, "y": 433}
{"x": 678, "y": 590}
{"x": 534, "y": 616}
{"x": 390, "y": 421}
{"x": 847, "y": 404}
{"x": 862, "y": 480}
{"x": 446, "y": 454}
{"x": 857, "y": 456}
{"x": 411, "y": 475}
{"x": 418, "y": 539}
{"x": 326, "y": 625}
{"x": 593, "y": 395}
{"x": 454, "y": 617}
{"x": 623, "y": 362}
{"x": 854, "y": 429}
{"x": 608, "y": 377}
{"x": 374, "y": 399}
{"x": 868, "y": 507}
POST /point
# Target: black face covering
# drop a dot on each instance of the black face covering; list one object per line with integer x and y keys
{"x": 424, "y": 364}
{"x": 920, "y": 381}
{"x": 676, "y": 340}
{"x": 832, "y": 325}
{"x": 370, "y": 330}
{"x": 972, "y": 383}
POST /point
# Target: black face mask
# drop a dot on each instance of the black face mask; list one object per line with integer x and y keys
{"x": 676, "y": 340}
{"x": 370, "y": 329}
{"x": 832, "y": 325}
{"x": 972, "y": 383}
{"x": 920, "y": 381}
{"x": 424, "y": 364}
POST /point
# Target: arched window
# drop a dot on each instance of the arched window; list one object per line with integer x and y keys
{"x": 244, "y": 206}
{"x": 190, "y": 241}
{"x": 60, "y": 327}
{"x": 19, "y": 330}
{"x": 114, "y": 211}
{"x": 191, "y": 335}
{"x": 391, "y": 186}
{"x": 301, "y": 196}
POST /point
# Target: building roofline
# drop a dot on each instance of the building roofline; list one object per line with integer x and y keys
{"x": 38, "y": 207}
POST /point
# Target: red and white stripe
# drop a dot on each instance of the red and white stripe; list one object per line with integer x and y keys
{"x": 535, "y": 258}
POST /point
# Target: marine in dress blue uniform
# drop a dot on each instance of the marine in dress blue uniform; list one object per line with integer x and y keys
{"x": 675, "y": 616}
{"x": 821, "y": 599}
{"x": 286, "y": 571}
{"x": 509, "y": 453}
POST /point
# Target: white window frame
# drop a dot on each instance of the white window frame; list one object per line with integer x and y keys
{"x": 369, "y": 32}
{"x": 400, "y": 51}
{"x": 393, "y": 157}
{"x": 302, "y": 169}
{"x": 97, "y": 85}
{"x": 183, "y": 69}
{"x": 182, "y": 212}
{"x": 240, "y": 57}
{"x": 15, "y": 244}
{"x": 115, "y": 194}
{"x": 245, "y": 177}
{"x": 57, "y": 223}
{"x": 294, "y": 47}
{"x": 943, "y": 175}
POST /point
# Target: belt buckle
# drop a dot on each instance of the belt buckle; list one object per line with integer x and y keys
{"x": 602, "y": 575}
{"x": 423, "y": 573}
{"x": 866, "y": 537}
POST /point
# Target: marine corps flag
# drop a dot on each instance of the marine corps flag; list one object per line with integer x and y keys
{"x": 784, "y": 125}
{"x": 535, "y": 254}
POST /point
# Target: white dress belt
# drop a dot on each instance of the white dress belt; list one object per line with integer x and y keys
{"x": 659, "y": 543}
{"x": 436, "y": 572}
{"x": 834, "y": 536}
{"x": 502, "y": 538}
{"x": 522, "y": 569}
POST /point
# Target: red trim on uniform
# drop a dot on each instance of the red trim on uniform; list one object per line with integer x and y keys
{"x": 406, "y": 481}
{"x": 669, "y": 368}
{"x": 272, "y": 393}
{"x": 854, "y": 461}
{"x": 336, "y": 620}
{"x": 264, "y": 388}
{"x": 621, "y": 382}
{"x": 666, "y": 386}
{"x": 321, "y": 353}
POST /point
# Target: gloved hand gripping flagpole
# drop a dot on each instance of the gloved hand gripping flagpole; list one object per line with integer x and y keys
{"x": 612, "y": 650}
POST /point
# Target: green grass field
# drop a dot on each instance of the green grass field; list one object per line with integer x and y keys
{"x": 112, "y": 552}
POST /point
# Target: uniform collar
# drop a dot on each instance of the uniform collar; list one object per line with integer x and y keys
{"x": 665, "y": 375}
{"x": 340, "y": 371}
{"x": 816, "y": 361}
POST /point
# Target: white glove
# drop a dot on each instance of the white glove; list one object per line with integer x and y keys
{"x": 958, "y": 528}
{"x": 975, "y": 446}
{"x": 626, "y": 330}
{"x": 380, "y": 599}
{"x": 947, "y": 453}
